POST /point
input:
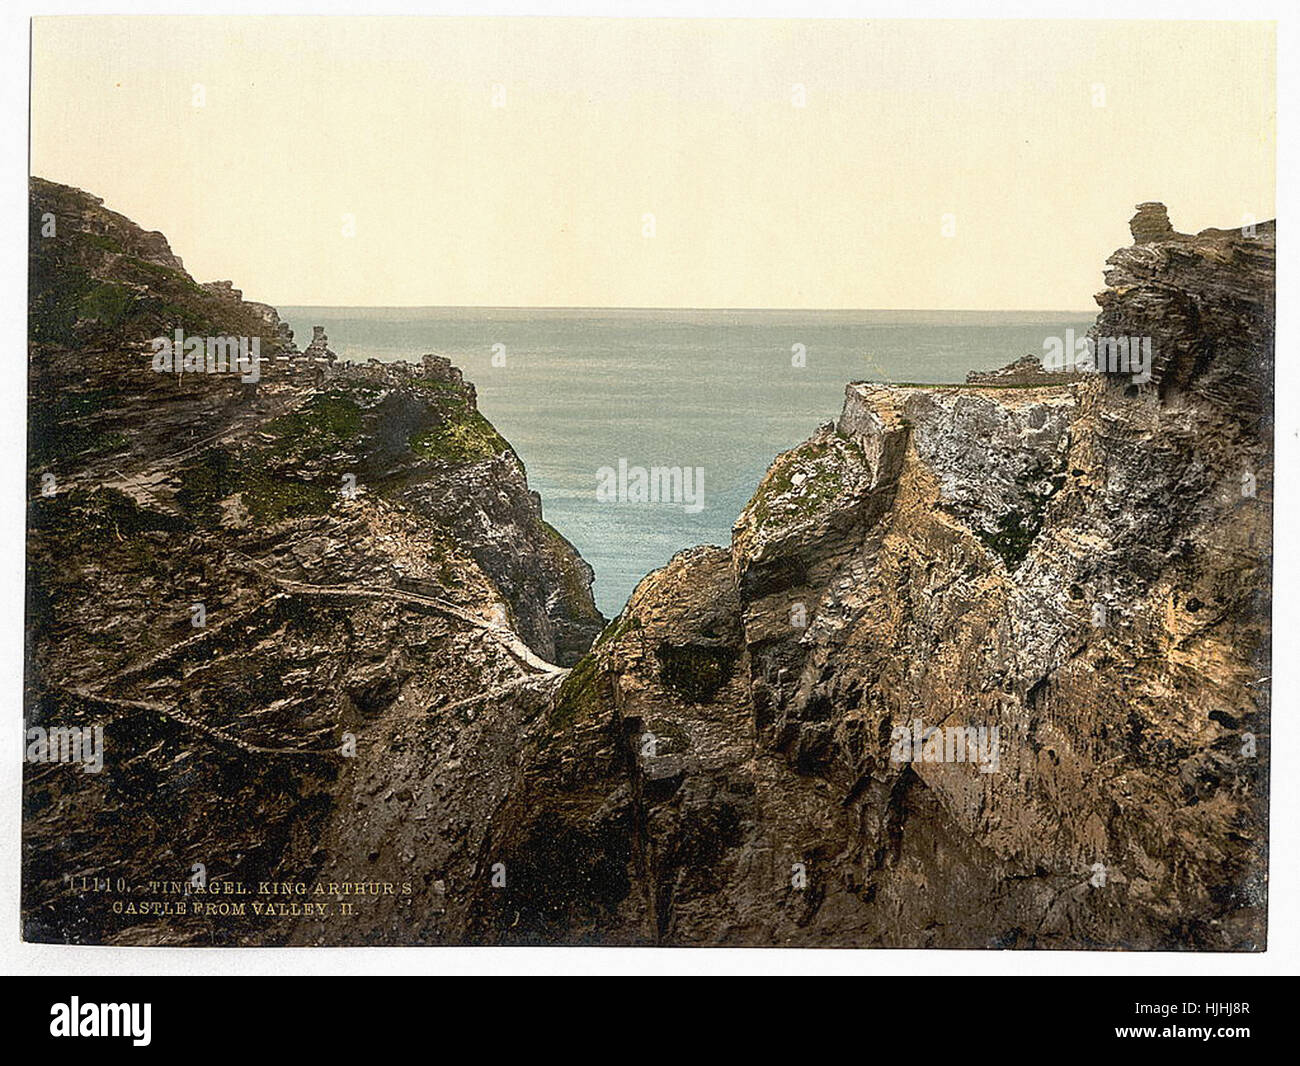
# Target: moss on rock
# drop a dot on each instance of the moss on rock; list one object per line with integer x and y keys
{"x": 695, "y": 672}
{"x": 460, "y": 441}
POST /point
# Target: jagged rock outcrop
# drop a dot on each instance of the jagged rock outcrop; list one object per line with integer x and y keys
{"x": 319, "y": 347}
{"x": 1028, "y": 370}
{"x": 272, "y": 596}
{"x": 1076, "y": 574}
{"x": 1207, "y": 303}
{"x": 984, "y": 665}
{"x": 97, "y": 280}
{"x": 1151, "y": 223}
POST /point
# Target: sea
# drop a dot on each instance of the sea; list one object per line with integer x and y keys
{"x": 719, "y": 394}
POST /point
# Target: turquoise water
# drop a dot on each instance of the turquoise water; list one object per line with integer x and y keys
{"x": 714, "y": 390}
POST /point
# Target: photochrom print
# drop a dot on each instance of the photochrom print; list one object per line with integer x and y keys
{"x": 572, "y": 481}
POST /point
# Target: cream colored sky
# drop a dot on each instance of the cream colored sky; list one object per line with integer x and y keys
{"x": 757, "y": 203}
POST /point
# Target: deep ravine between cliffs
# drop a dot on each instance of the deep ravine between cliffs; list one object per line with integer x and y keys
{"x": 1078, "y": 565}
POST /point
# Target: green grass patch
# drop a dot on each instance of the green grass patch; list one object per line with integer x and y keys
{"x": 579, "y": 695}
{"x": 322, "y": 426}
{"x": 618, "y": 629}
{"x": 269, "y": 497}
{"x": 825, "y": 468}
{"x": 457, "y": 442}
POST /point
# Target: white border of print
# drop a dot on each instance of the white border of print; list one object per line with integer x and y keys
{"x": 1283, "y": 955}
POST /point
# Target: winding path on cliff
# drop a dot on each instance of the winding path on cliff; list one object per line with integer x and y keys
{"x": 503, "y": 635}
{"x": 534, "y": 667}
{"x": 507, "y": 638}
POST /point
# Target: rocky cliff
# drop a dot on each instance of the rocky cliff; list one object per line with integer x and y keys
{"x": 984, "y": 665}
{"x": 264, "y": 586}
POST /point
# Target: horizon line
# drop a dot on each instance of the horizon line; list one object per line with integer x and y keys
{"x": 623, "y": 307}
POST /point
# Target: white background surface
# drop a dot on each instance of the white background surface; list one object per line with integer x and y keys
{"x": 1283, "y": 956}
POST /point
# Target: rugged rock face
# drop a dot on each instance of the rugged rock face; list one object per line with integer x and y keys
{"x": 1151, "y": 223}
{"x": 1207, "y": 304}
{"x": 1025, "y": 371}
{"x": 272, "y": 595}
{"x": 984, "y": 665}
{"x": 1077, "y": 573}
{"x": 319, "y": 348}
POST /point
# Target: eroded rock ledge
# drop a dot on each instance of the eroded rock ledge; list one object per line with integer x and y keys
{"x": 1082, "y": 564}
{"x": 312, "y": 613}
